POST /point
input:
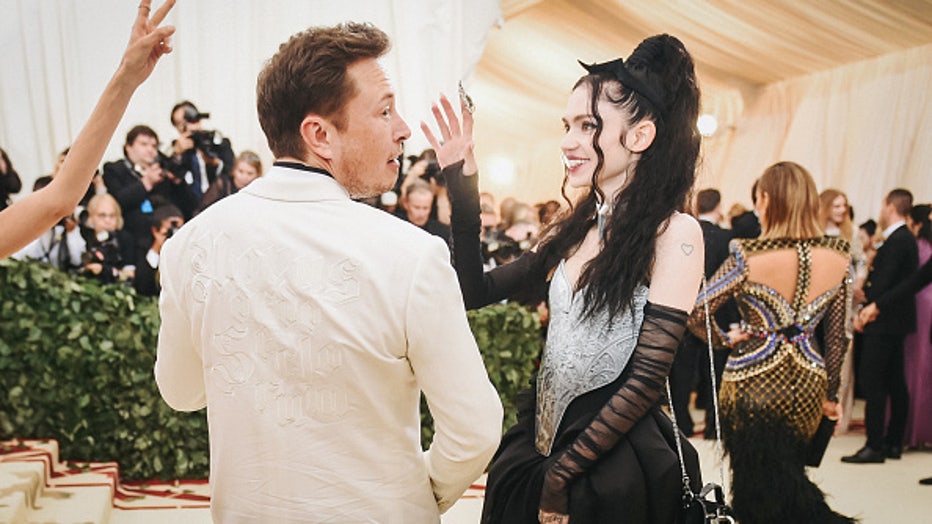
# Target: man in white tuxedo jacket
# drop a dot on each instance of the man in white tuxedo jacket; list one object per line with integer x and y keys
{"x": 309, "y": 324}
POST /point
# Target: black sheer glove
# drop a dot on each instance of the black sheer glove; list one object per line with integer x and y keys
{"x": 647, "y": 371}
{"x": 519, "y": 279}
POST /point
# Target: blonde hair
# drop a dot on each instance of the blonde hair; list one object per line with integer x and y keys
{"x": 99, "y": 199}
{"x": 793, "y": 207}
{"x": 826, "y": 200}
{"x": 251, "y": 158}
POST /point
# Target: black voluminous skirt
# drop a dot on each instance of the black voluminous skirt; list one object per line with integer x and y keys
{"x": 638, "y": 481}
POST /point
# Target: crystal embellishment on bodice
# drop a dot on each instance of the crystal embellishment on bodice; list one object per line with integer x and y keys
{"x": 581, "y": 354}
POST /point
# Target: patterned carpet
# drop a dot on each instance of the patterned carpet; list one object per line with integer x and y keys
{"x": 126, "y": 495}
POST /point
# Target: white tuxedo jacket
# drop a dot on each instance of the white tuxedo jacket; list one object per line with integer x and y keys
{"x": 309, "y": 324}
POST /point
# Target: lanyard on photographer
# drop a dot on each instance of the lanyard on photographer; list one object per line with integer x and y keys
{"x": 302, "y": 167}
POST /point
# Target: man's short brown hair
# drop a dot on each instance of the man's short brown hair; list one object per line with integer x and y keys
{"x": 308, "y": 75}
{"x": 707, "y": 200}
{"x": 901, "y": 199}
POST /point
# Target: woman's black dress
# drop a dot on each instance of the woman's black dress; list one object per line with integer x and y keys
{"x": 638, "y": 479}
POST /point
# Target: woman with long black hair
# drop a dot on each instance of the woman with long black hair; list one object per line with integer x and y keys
{"x": 621, "y": 270}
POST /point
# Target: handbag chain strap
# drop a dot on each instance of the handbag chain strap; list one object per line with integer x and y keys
{"x": 718, "y": 425}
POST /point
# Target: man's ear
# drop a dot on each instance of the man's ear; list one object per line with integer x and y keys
{"x": 318, "y": 135}
{"x": 641, "y": 136}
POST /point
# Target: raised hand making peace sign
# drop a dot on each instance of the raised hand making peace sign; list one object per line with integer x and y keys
{"x": 31, "y": 216}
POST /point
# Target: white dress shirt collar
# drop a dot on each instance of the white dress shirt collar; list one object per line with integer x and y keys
{"x": 889, "y": 231}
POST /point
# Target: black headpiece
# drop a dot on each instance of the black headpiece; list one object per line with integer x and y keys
{"x": 619, "y": 70}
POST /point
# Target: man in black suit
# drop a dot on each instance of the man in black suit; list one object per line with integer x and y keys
{"x": 199, "y": 155}
{"x": 747, "y": 224}
{"x": 140, "y": 183}
{"x": 881, "y": 367}
{"x": 692, "y": 357}
{"x": 904, "y": 291}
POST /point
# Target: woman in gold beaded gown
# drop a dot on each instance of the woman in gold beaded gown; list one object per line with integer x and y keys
{"x": 778, "y": 382}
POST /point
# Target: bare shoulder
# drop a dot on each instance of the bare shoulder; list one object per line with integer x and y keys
{"x": 678, "y": 263}
{"x": 681, "y": 233}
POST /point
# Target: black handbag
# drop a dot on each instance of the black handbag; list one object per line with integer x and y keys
{"x": 708, "y": 506}
{"x": 698, "y": 508}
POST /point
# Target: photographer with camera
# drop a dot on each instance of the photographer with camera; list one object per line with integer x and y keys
{"x": 164, "y": 223}
{"x": 62, "y": 245}
{"x": 424, "y": 167}
{"x": 110, "y": 251}
{"x": 199, "y": 156}
{"x": 140, "y": 182}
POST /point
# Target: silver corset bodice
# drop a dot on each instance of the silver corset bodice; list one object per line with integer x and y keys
{"x": 581, "y": 354}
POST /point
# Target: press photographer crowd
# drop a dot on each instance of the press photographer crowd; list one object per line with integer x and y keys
{"x": 117, "y": 231}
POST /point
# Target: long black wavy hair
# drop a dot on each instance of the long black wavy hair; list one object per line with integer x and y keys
{"x": 658, "y": 186}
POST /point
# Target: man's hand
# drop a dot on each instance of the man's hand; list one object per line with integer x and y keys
{"x": 182, "y": 143}
{"x": 858, "y": 296}
{"x": 868, "y": 313}
{"x": 159, "y": 237}
{"x": 94, "y": 267}
{"x": 151, "y": 176}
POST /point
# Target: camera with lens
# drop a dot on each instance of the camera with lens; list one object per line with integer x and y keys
{"x": 104, "y": 249}
{"x": 172, "y": 229}
{"x": 432, "y": 171}
{"x": 208, "y": 141}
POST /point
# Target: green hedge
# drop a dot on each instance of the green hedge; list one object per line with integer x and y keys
{"x": 76, "y": 363}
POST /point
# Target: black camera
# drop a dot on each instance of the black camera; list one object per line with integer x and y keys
{"x": 192, "y": 115}
{"x": 171, "y": 231}
{"x": 104, "y": 248}
{"x": 210, "y": 142}
{"x": 432, "y": 171}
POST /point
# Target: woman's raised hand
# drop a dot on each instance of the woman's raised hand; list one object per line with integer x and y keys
{"x": 147, "y": 42}
{"x": 34, "y": 214}
{"x": 455, "y": 142}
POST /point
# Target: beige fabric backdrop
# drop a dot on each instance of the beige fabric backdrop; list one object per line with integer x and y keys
{"x": 816, "y": 82}
{"x": 865, "y": 128}
{"x": 59, "y": 54}
{"x": 841, "y": 87}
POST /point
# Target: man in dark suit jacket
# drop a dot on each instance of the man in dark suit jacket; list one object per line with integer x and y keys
{"x": 881, "y": 367}
{"x": 199, "y": 156}
{"x": 139, "y": 183}
{"x": 692, "y": 358}
{"x": 747, "y": 225}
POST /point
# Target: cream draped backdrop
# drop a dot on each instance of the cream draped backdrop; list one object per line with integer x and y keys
{"x": 864, "y": 128}
{"x": 57, "y": 56}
